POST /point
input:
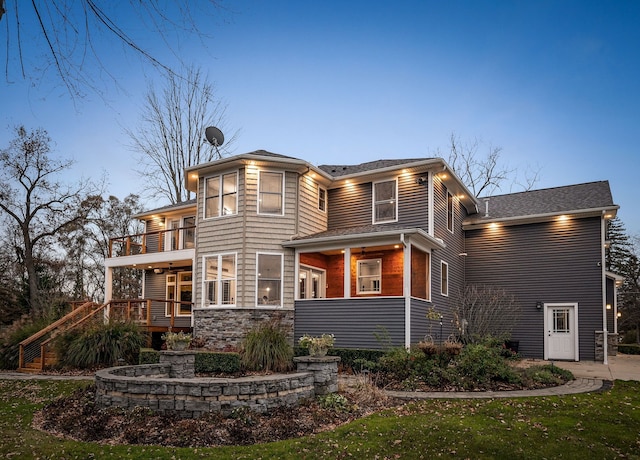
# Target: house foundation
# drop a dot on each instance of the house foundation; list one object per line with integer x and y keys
{"x": 224, "y": 329}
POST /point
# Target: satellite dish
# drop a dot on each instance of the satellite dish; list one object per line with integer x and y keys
{"x": 214, "y": 136}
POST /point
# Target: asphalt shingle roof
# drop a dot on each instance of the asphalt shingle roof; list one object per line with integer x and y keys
{"x": 344, "y": 170}
{"x": 592, "y": 195}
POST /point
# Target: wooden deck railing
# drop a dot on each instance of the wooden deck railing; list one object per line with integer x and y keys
{"x": 138, "y": 311}
{"x": 151, "y": 242}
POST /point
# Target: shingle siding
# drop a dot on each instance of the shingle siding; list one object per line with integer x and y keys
{"x": 546, "y": 262}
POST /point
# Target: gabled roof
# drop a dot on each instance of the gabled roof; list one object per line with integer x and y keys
{"x": 343, "y": 170}
{"x": 588, "y": 198}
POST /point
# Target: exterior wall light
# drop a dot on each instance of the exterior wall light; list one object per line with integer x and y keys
{"x": 538, "y": 305}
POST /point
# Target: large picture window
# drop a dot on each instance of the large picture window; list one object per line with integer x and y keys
{"x": 271, "y": 191}
{"x": 369, "y": 276}
{"x": 221, "y": 195}
{"x": 385, "y": 203}
{"x": 269, "y": 277}
{"x": 219, "y": 280}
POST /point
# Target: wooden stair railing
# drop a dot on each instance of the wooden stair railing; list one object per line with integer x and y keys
{"x": 33, "y": 350}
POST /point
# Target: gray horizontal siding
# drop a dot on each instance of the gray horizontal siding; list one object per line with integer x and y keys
{"x": 352, "y": 321}
{"x": 156, "y": 288}
{"x": 547, "y": 262}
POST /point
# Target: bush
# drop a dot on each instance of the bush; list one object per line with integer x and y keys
{"x": 629, "y": 349}
{"x": 228, "y": 363}
{"x": 149, "y": 356}
{"x": 267, "y": 348}
{"x": 479, "y": 364}
{"x": 100, "y": 345}
{"x": 12, "y": 336}
{"x": 547, "y": 374}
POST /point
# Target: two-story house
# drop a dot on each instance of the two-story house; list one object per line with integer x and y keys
{"x": 363, "y": 251}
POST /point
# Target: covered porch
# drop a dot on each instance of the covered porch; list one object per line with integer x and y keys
{"x": 371, "y": 287}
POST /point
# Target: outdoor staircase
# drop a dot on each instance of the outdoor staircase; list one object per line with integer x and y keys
{"x": 36, "y": 352}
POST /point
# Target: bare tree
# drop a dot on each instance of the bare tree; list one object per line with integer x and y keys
{"x": 73, "y": 33}
{"x": 171, "y": 135}
{"x": 484, "y": 173}
{"x": 35, "y": 203}
{"x": 485, "y": 311}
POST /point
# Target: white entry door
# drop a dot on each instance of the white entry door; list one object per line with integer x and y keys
{"x": 561, "y": 331}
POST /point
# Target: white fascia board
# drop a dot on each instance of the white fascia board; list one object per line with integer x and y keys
{"x": 150, "y": 259}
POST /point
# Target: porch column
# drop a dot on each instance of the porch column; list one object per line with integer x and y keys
{"x": 406, "y": 291}
{"x": 108, "y": 284}
{"x": 347, "y": 273}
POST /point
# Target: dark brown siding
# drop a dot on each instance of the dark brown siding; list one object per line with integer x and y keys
{"x": 544, "y": 262}
{"x": 353, "y": 321}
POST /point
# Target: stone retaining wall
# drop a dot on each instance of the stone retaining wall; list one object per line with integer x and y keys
{"x": 167, "y": 389}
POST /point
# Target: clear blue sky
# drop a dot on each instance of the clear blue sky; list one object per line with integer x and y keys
{"x": 556, "y": 84}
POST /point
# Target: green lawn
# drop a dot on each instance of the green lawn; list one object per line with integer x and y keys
{"x": 597, "y": 425}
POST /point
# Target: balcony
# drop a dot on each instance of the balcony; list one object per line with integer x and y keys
{"x": 174, "y": 239}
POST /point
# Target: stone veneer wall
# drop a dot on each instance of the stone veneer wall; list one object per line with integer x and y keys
{"x": 168, "y": 389}
{"x": 612, "y": 345}
{"x": 225, "y": 328}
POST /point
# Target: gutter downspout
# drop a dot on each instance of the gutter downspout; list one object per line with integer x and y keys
{"x": 605, "y": 345}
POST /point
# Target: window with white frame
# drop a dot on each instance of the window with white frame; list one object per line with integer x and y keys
{"x": 385, "y": 203}
{"x": 219, "y": 280}
{"x": 450, "y": 211}
{"x": 179, "y": 293}
{"x": 311, "y": 283}
{"x": 221, "y": 195}
{"x": 271, "y": 193}
{"x": 322, "y": 199}
{"x": 444, "y": 278}
{"x": 369, "y": 275}
{"x": 269, "y": 279}
{"x": 180, "y": 233}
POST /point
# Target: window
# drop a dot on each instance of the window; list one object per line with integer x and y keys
{"x": 450, "y": 211}
{"x": 221, "y": 195}
{"x": 385, "y": 205}
{"x": 322, "y": 199}
{"x": 269, "y": 288}
{"x": 444, "y": 278}
{"x": 189, "y": 232}
{"x": 219, "y": 281}
{"x": 270, "y": 193}
{"x": 311, "y": 283}
{"x": 369, "y": 276}
{"x": 181, "y": 284}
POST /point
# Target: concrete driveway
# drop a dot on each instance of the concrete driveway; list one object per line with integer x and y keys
{"x": 620, "y": 367}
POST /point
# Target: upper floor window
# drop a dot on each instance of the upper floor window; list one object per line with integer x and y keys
{"x": 219, "y": 280}
{"x": 369, "y": 276}
{"x": 271, "y": 192}
{"x": 449, "y": 211}
{"x": 221, "y": 195}
{"x": 444, "y": 278}
{"x": 385, "y": 203}
{"x": 269, "y": 288}
{"x": 322, "y": 199}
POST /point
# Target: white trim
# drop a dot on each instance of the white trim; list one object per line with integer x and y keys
{"x": 443, "y": 264}
{"x": 576, "y": 335}
{"x": 407, "y": 293}
{"x": 603, "y": 263}
{"x": 358, "y": 291}
{"x": 220, "y": 178}
{"x": 326, "y": 199}
{"x": 176, "y": 284}
{"x": 282, "y": 185}
{"x": 258, "y": 254}
{"x": 453, "y": 211}
{"x": 347, "y": 273}
{"x": 203, "y": 296}
{"x": 310, "y": 269}
{"x": 431, "y": 209}
{"x": 373, "y": 201}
